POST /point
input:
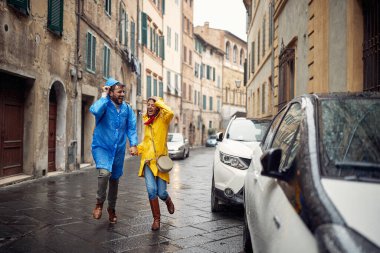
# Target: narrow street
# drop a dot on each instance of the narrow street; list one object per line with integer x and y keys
{"x": 53, "y": 214}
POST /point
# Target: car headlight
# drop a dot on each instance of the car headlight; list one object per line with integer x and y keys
{"x": 233, "y": 161}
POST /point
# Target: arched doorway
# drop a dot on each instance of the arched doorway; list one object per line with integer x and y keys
{"x": 57, "y": 128}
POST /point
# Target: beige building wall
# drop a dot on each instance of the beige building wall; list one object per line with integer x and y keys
{"x": 187, "y": 56}
{"x": 172, "y": 63}
{"x": 40, "y": 61}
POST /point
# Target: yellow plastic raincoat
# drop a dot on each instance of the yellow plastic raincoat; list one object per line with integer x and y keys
{"x": 160, "y": 128}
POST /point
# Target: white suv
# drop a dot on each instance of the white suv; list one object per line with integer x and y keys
{"x": 232, "y": 158}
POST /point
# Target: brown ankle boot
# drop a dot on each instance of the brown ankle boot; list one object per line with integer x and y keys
{"x": 169, "y": 205}
{"x": 112, "y": 215}
{"x": 156, "y": 213}
{"x": 97, "y": 212}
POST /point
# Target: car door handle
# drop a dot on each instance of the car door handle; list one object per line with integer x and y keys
{"x": 276, "y": 221}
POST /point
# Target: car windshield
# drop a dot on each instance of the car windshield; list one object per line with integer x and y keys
{"x": 247, "y": 130}
{"x": 175, "y": 138}
{"x": 350, "y": 137}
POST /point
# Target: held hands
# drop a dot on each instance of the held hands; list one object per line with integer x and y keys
{"x": 133, "y": 151}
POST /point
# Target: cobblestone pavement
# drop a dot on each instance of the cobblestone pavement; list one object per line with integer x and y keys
{"x": 53, "y": 214}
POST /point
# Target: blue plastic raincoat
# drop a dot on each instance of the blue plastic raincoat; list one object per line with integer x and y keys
{"x": 110, "y": 135}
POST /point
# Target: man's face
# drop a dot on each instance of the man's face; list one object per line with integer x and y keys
{"x": 152, "y": 109}
{"x": 117, "y": 95}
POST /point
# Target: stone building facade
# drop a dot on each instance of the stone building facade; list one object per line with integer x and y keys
{"x": 316, "y": 47}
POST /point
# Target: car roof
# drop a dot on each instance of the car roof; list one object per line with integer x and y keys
{"x": 342, "y": 95}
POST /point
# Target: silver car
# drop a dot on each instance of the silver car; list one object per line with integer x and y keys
{"x": 178, "y": 146}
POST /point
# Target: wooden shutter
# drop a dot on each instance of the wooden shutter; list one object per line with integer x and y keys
{"x": 55, "y": 16}
{"x": 20, "y": 5}
{"x": 161, "y": 89}
{"x": 144, "y": 29}
{"x": 162, "y": 47}
{"x": 148, "y": 86}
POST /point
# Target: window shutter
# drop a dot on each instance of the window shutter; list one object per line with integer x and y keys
{"x": 121, "y": 14}
{"x": 148, "y": 86}
{"x": 20, "y": 5}
{"x": 93, "y": 53}
{"x": 162, "y": 47}
{"x": 144, "y": 30}
{"x": 161, "y": 89}
{"x": 55, "y": 16}
{"x": 133, "y": 49}
{"x": 88, "y": 51}
{"x": 163, "y": 6}
{"x": 126, "y": 29}
{"x": 105, "y": 62}
{"x": 155, "y": 87}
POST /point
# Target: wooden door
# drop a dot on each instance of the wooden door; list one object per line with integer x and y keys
{"x": 52, "y": 131}
{"x": 11, "y": 126}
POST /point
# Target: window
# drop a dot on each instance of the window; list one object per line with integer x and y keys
{"x": 184, "y": 90}
{"x": 199, "y": 98}
{"x": 218, "y": 82}
{"x": 169, "y": 36}
{"x": 241, "y": 57}
{"x": 168, "y": 77}
{"x": 161, "y": 89}
{"x": 218, "y": 105}
{"x": 253, "y": 57}
{"x": 107, "y": 6}
{"x": 133, "y": 42}
{"x": 190, "y": 57}
{"x": 210, "y": 124}
{"x": 286, "y": 76}
{"x": 235, "y": 54}
{"x": 213, "y": 74}
{"x": 176, "y": 85}
{"x": 258, "y": 49}
{"x": 91, "y": 52}
{"x": 184, "y": 54}
{"x": 176, "y": 42}
{"x": 106, "y": 61}
{"x": 144, "y": 29}
{"x": 195, "y": 97}
{"x": 228, "y": 51}
{"x": 264, "y": 36}
{"x": 55, "y": 16}
{"x": 190, "y": 92}
{"x": 155, "y": 90}
{"x": 211, "y": 103}
{"x": 204, "y": 102}
{"x": 148, "y": 86}
{"x": 20, "y": 5}
{"x": 263, "y": 91}
{"x": 208, "y": 68}
{"x": 196, "y": 70}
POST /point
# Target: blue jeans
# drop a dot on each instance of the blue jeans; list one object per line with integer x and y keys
{"x": 155, "y": 186}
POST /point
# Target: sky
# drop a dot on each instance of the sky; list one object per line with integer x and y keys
{"x": 229, "y": 15}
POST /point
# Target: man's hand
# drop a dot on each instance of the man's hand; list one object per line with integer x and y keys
{"x": 105, "y": 91}
{"x": 133, "y": 151}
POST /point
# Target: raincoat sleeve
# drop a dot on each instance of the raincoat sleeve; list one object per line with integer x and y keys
{"x": 99, "y": 108}
{"x": 131, "y": 129}
{"x": 165, "y": 110}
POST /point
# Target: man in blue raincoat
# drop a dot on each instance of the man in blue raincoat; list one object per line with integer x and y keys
{"x": 115, "y": 121}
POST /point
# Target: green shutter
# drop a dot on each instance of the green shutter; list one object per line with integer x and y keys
{"x": 162, "y": 47}
{"x": 121, "y": 14}
{"x": 213, "y": 77}
{"x": 161, "y": 89}
{"x": 151, "y": 39}
{"x": 155, "y": 91}
{"x": 144, "y": 31}
{"x": 126, "y": 29}
{"x": 163, "y": 6}
{"x": 133, "y": 49}
{"x": 93, "y": 53}
{"x": 20, "y": 5}
{"x": 204, "y": 102}
{"x": 88, "y": 51}
{"x": 55, "y": 16}
{"x": 148, "y": 86}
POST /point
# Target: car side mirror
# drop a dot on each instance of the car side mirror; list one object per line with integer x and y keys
{"x": 270, "y": 161}
{"x": 219, "y": 136}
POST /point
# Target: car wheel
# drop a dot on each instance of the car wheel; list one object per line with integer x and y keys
{"x": 247, "y": 243}
{"x": 215, "y": 206}
{"x": 184, "y": 154}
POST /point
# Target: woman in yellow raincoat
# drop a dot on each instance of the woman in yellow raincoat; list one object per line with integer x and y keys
{"x": 156, "y": 121}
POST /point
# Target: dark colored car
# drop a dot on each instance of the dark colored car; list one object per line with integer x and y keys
{"x": 211, "y": 141}
{"x": 314, "y": 183}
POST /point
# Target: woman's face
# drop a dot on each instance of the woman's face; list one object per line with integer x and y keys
{"x": 152, "y": 109}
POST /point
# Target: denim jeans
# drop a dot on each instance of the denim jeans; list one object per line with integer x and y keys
{"x": 104, "y": 180}
{"x": 155, "y": 186}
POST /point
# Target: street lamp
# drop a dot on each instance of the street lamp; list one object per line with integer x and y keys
{"x": 238, "y": 82}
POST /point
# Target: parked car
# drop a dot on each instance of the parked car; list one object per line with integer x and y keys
{"x": 211, "y": 141}
{"x": 314, "y": 183}
{"x": 178, "y": 146}
{"x": 232, "y": 158}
